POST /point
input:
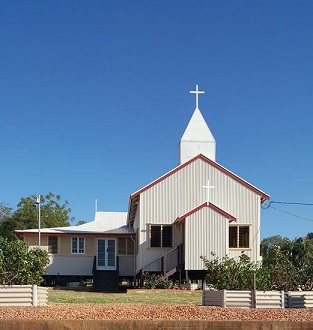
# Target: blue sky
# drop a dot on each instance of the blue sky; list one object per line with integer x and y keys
{"x": 94, "y": 98}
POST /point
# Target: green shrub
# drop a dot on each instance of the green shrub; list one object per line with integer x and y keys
{"x": 153, "y": 281}
{"x": 20, "y": 265}
{"x": 230, "y": 274}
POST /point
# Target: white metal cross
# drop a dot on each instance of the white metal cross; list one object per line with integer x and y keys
{"x": 208, "y": 187}
{"x": 197, "y": 92}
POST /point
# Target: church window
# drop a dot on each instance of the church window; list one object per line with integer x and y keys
{"x": 239, "y": 236}
{"x": 78, "y": 245}
{"x": 53, "y": 244}
{"x": 161, "y": 236}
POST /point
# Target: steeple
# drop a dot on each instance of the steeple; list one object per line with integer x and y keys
{"x": 197, "y": 138}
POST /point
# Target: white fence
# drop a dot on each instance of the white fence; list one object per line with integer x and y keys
{"x": 245, "y": 299}
{"x": 23, "y": 295}
{"x": 271, "y": 299}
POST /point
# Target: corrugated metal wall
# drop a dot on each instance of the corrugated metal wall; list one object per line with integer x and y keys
{"x": 23, "y": 295}
{"x": 182, "y": 192}
{"x": 206, "y": 232}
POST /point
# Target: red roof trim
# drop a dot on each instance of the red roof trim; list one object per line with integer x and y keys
{"x": 163, "y": 177}
{"x": 182, "y": 217}
{"x": 211, "y": 206}
{"x": 222, "y": 212}
{"x": 264, "y": 196}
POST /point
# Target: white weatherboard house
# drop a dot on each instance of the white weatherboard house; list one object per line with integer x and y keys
{"x": 197, "y": 208}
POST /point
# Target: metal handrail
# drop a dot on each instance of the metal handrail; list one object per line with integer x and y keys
{"x": 159, "y": 258}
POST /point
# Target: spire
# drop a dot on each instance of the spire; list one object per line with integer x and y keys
{"x": 197, "y": 138}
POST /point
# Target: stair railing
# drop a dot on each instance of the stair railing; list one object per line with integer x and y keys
{"x": 170, "y": 261}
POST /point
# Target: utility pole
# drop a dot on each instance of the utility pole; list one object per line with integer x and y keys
{"x": 38, "y": 203}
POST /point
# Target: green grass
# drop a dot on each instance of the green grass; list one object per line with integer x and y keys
{"x": 132, "y": 296}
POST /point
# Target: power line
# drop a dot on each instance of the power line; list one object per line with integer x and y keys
{"x": 287, "y": 203}
{"x": 287, "y": 212}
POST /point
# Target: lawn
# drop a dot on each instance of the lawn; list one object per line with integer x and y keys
{"x": 182, "y": 297}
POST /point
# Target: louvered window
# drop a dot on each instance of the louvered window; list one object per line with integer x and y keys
{"x": 161, "y": 236}
{"x": 53, "y": 244}
{"x": 239, "y": 236}
{"x": 126, "y": 246}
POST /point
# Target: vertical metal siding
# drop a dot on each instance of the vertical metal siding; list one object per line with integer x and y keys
{"x": 206, "y": 232}
{"x": 182, "y": 192}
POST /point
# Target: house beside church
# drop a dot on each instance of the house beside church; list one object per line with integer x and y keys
{"x": 197, "y": 208}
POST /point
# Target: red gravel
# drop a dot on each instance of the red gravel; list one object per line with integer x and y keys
{"x": 149, "y": 312}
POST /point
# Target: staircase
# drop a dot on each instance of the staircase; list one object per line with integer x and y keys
{"x": 105, "y": 281}
{"x": 169, "y": 264}
{"x": 170, "y": 272}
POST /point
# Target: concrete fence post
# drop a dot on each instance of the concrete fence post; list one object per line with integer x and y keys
{"x": 35, "y": 295}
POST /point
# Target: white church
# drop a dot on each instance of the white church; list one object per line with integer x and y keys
{"x": 197, "y": 208}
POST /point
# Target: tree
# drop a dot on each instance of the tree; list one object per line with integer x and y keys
{"x": 279, "y": 270}
{"x": 270, "y": 244}
{"x": 302, "y": 257}
{"x": 286, "y": 265}
{"x": 5, "y": 212}
{"x": 6, "y": 225}
{"x": 54, "y": 213}
{"x": 20, "y": 265}
{"x": 81, "y": 222}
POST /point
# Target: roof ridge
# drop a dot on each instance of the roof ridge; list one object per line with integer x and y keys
{"x": 213, "y": 163}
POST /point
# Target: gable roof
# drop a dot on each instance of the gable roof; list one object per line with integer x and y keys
{"x": 198, "y": 208}
{"x": 134, "y": 198}
{"x": 104, "y": 223}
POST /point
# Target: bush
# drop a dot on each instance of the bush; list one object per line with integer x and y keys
{"x": 230, "y": 274}
{"x": 20, "y": 265}
{"x": 153, "y": 281}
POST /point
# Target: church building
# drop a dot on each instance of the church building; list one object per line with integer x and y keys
{"x": 197, "y": 208}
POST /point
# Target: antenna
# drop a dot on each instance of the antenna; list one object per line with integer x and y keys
{"x": 96, "y": 205}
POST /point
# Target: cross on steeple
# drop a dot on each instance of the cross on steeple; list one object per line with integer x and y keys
{"x": 208, "y": 187}
{"x": 197, "y": 92}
